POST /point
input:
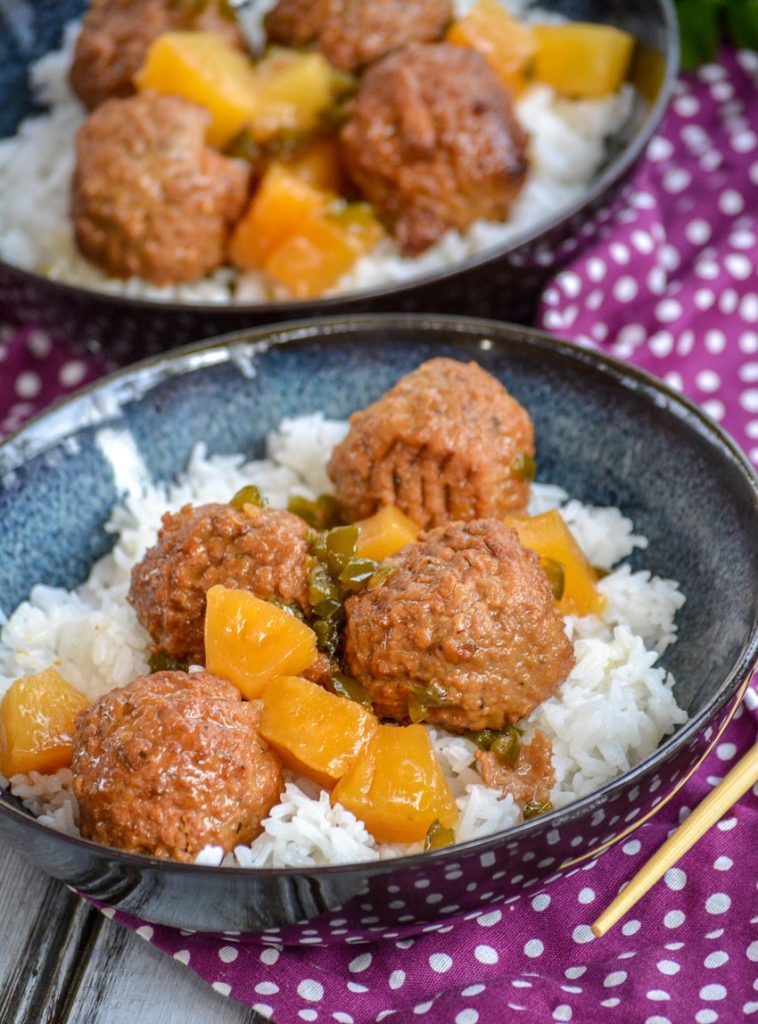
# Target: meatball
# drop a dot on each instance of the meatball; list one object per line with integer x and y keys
{"x": 530, "y": 779}
{"x": 353, "y": 33}
{"x": 149, "y": 197}
{"x": 465, "y": 624}
{"x": 447, "y": 442}
{"x": 262, "y": 550}
{"x": 171, "y": 763}
{"x": 116, "y": 35}
{"x": 433, "y": 143}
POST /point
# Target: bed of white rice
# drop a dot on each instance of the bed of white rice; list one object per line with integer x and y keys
{"x": 566, "y": 150}
{"x": 611, "y": 712}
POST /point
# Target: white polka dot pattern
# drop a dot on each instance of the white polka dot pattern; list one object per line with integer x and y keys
{"x": 34, "y": 372}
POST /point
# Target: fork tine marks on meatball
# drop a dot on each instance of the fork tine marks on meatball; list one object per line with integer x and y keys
{"x": 444, "y": 443}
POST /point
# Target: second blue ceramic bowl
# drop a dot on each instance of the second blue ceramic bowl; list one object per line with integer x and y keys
{"x": 504, "y": 281}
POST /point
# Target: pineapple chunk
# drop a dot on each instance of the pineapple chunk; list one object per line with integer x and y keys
{"x": 319, "y": 165}
{"x": 384, "y": 533}
{"x": 301, "y": 236}
{"x": 284, "y": 94}
{"x": 294, "y": 90}
{"x": 550, "y": 538}
{"x": 506, "y": 44}
{"x": 582, "y": 60}
{"x": 280, "y": 205}
{"x": 397, "y": 788}
{"x": 315, "y": 732}
{"x": 250, "y": 641}
{"x": 203, "y": 68}
{"x": 37, "y": 723}
{"x": 324, "y": 247}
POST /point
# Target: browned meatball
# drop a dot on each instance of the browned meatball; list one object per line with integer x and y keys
{"x": 149, "y": 197}
{"x": 116, "y": 35}
{"x": 432, "y": 142}
{"x": 173, "y": 762}
{"x": 262, "y": 550}
{"x": 447, "y": 442}
{"x": 466, "y": 623}
{"x": 353, "y": 33}
{"x": 530, "y": 779}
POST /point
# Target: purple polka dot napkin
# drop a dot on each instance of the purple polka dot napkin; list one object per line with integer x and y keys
{"x": 672, "y": 288}
{"x": 34, "y": 372}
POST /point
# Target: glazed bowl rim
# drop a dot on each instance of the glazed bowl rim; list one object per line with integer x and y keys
{"x": 613, "y": 172}
{"x": 51, "y": 426}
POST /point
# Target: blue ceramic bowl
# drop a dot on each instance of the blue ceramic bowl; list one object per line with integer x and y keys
{"x": 503, "y": 282}
{"x": 607, "y": 433}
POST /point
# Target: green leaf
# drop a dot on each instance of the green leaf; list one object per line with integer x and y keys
{"x": 742, "y": 23}
{"x": 699, "y": 30}
{"x": 703, "y": 24}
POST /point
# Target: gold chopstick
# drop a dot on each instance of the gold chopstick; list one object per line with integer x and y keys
{"x": 716, "y": 804}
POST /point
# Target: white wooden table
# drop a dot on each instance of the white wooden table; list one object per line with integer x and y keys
{"x": 63, "y": 962}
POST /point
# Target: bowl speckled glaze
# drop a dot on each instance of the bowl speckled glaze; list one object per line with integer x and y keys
{"x": 502, "y": 282}
{"x": 607, "y": 433}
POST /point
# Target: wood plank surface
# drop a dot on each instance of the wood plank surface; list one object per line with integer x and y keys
{"x": 62, "y": 962}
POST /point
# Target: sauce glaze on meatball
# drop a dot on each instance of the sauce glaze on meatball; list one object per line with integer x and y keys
{"x": 468, "y": 615}
{"x": 262, "y": 550}
{"x": 149, "y": 197}
{"x": 433, "y": 143}
{"x": 530, "y": 779}
{"x": 354, "y": 33}
{"x": 447, "y": 442}
{"x": 116, "y": 35}
{"x": 171, "y": 763}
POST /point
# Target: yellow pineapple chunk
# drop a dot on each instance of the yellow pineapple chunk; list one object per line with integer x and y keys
{"x": 384, "y": 533}
{"x": 250, "y": 641}
{"x": 397, "y": 787}
{"x": 506, "y": 44}
{"x": 551, "y": 539}
{"x": 203, "y": 68}
{"x": 294, "y": 90}
{"x": 324, "y": 247}
{"x": 280, "y": 205}
{"x": 37, "y": 723}
{"x": 581, "y": 59}
{"x": 318, "y": 164}
{"x": 314, "y": 732}
{"x": 302, "y": 237}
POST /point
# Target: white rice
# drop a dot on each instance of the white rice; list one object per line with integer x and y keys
{"x": 567, "y": 149}
{"x": 612, "y": 711}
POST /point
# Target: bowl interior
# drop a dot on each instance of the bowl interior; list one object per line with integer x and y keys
{"x": 607, "y": 434}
